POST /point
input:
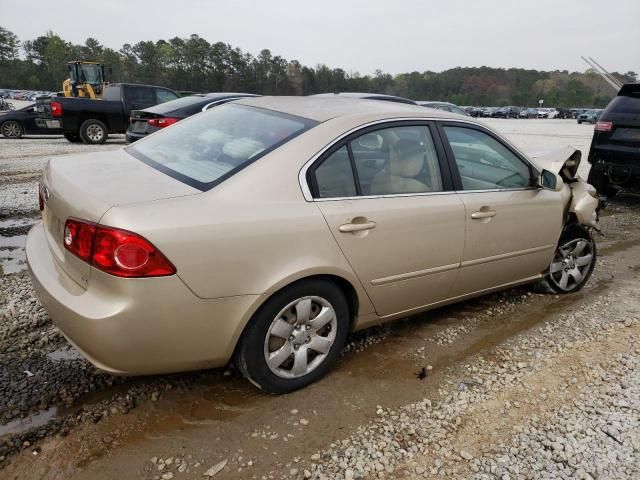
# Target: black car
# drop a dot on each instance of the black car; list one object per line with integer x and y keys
{"x": 16, "y": 123}
{"x": 507, "y": 112}
{"x": 369, "y": 96}
{"x": 149, "y": 120}
{"x": 446, "y": 106}
{"x": 615, "y": 148}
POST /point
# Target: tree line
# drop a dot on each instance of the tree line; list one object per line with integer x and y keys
{"x": 195, "y": 64}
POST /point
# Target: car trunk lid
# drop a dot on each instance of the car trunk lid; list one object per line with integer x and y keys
{"x": 139, "y": 120}
{"x": 87, "y": 186}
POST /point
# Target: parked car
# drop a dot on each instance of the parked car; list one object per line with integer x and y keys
{"x": 246, "y": 233}
{"x": 446, "y": 106}
{"x": 475, "y": 111}
{"x": 16, "y": 123}
{"x": 529, "y": 113}
{"x": 149, "y": 120}
{"x": 507, "y": 112}
{"x": 615, "y": 148}
{"x": 91, "y": 121}
{"x": 366, "y": 96}
{"x": 564, "y": 113}
{"x": 488, "y": 111}
{"x": 590, "y": 116}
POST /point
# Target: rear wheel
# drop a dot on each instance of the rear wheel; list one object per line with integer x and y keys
{"x": 73, "y": 137}
{"x": 295, "y": 338}
{"x": 94, "y": 132}
{"x": 573, "y": 262}
{"x": 12, "y": 129}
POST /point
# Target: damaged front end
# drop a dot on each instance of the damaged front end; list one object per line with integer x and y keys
{"x": 581, "y": 199}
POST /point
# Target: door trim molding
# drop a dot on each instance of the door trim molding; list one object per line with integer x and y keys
{"x": 504, "y": 256}
{"x": 417, "y": 274}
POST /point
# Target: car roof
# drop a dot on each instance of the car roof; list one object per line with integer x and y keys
{"x": 321, "y": 108}
{"x": 368, "y": 95}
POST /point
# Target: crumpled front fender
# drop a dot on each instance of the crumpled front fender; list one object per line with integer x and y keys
{"x": 584, "y": 202}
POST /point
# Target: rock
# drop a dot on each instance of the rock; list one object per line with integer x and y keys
{"x": 215, "y": 469}
{"x": 466, "y": 455}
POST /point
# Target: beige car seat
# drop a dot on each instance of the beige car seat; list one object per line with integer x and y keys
{"x": 406, "y": 161}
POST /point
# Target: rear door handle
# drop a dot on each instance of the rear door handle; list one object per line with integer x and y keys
{"x": 483, "y": 214}
{"x": 356, "y": 227}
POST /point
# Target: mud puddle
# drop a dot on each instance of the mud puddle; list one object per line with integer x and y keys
{"x": 13, "y": 235}
{"x": 31, "y": 422}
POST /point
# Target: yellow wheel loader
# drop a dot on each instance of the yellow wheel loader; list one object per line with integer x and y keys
{"x": 86, "y": 79}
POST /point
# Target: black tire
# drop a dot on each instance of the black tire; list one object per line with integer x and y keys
{"x": 12, "y": 129}
{"x": 253, "y": 348}
{"x": 600, "y": 180}
{"x": 73, "y": 137}
{"x": 579, "y": 122}
{"x": 93, "y": 132}
{"x": 571, "y": 237}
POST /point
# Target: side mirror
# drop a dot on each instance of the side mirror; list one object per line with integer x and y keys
{"x": 548, "y": 180}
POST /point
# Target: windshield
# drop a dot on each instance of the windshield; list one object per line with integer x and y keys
{"x": 90, "y": 73}
{"x": 207, "y": 148}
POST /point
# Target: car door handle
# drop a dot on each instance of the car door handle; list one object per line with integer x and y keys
{"x": 356, "y": 227}
{"x": 483, "y": 214}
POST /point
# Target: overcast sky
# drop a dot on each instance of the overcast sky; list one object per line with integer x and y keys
{"x": 357, "y": 35}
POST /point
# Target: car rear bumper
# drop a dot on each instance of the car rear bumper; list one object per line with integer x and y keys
{"x": 132, "y": 137}
{"x": 137, "y": 326}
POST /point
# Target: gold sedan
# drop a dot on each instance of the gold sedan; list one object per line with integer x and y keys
{"x": 267, "y": 229}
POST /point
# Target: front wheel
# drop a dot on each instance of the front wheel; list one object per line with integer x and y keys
{"x": 295, "y": 337}
{"x": 94, "y": 132}
{"x": 573, "y": 261}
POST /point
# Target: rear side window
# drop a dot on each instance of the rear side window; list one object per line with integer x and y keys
{"x": 334, "y": 176}
{"x": 140, "y": 95}
{"x": 205, "y": 149}
{"x": 163, "y": 95}
{"x": 484, "y": 163}
{"x": 390, "y": 161}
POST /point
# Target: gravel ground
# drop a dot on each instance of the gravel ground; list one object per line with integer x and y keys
{"x": 594, "y": 432}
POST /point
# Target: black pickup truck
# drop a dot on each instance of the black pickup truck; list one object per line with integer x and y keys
{"x": 91, "y": 121}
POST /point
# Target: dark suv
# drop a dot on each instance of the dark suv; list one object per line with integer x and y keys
{"x": 615, "y": 148}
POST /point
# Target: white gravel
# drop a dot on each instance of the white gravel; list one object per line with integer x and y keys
{"x": 557, "y": 402}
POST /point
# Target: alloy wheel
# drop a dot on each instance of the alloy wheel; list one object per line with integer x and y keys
{"x": 300, "y": 337}
{"x": 11, "y": 129}
{"x": 571, "y": 264}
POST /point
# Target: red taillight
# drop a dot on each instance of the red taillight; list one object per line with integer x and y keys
{"x": 115, "y": 251}
{"x": 162, "y": 122}
{"x": 56, "y": 109}
{"x": 603, "y": 126}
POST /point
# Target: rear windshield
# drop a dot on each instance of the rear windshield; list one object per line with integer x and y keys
{"x": 623, "y": 104}
{"x": 177, "y": 104}
{"x": 205, "y": 149}
{"x": 623, "y": 109}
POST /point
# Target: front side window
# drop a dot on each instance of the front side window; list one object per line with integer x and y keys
{"x": 389, "y": 161}
{"x": 485, "y": 163}
{"x": 204, "y": 149}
